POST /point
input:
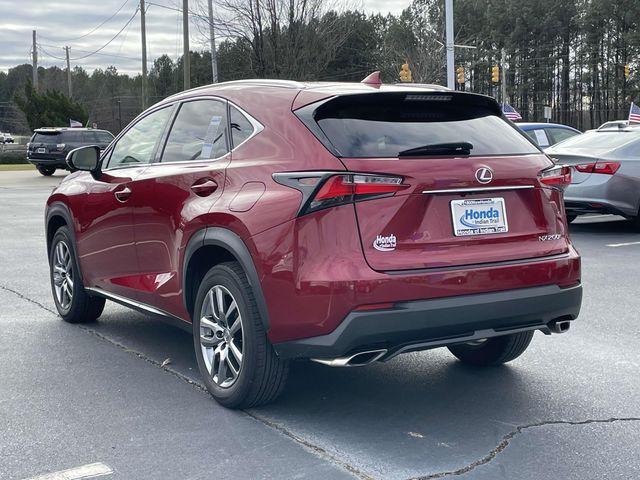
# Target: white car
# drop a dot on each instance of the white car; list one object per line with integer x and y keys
{"x": 6, "y": 138}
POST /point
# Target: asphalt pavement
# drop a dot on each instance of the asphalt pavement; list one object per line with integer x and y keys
{"x": 73, "y": 395}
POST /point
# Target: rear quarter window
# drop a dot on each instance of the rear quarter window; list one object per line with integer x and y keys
{"x": 382, "y": 125}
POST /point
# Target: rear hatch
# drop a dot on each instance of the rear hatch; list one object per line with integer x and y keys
{"x": 46, "y": 144}
{"x": 461, "y": 207}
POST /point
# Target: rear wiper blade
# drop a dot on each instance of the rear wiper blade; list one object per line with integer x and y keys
{"x": 454, "y": 148}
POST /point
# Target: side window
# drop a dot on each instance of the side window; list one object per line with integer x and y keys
{"x": 198, "y": 132}
{"x": 104, "y": 137}
{"x": 137, "y": 144}
{"x": 560, "y": 134}
{"x": 241, "y": 127}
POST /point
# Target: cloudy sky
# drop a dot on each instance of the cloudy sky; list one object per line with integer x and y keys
{"x": 110, "y": 27}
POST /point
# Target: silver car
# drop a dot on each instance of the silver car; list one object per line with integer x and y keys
{"x": 605, "y": 173}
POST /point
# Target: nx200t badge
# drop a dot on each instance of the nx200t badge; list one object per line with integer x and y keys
{"x": 484, "y": 175}
{"x": 385, "y": 244}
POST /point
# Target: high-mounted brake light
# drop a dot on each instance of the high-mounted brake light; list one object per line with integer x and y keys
{"x": 605, "y": 168}
{"x": 558, "y": 176}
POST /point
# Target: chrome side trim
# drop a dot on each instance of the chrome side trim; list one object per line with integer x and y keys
{"x": 480, "y": 189}
{"x": 127, "y": 302}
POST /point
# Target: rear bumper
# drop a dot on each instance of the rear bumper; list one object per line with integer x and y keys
{"x": 617, "y": 194}
{"x": 418, "y": 325}
{"x": 58, "y": 162}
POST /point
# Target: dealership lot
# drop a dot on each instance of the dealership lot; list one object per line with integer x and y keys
{"x": 74, "y": 395}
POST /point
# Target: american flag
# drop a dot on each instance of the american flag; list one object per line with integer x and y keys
{"x": 513, "y": 115}
{"x": 634, "y": 113}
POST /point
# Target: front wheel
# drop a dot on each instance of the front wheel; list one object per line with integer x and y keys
{"x": 73, "y": 302}
{"x": 46, "y": 171}
{"x": 492, "y": 351}
{"x": 238, "y": 364}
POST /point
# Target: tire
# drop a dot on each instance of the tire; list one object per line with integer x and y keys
{"x": 493, "y": 351}
{"x": 46, "y": 171}
{"x": 73, "y": 302}
{"x": 261, "y": 375}
{"x": 571, "y": 218}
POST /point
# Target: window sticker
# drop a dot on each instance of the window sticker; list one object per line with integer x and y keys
{"x": 211, "y": 136}
{"x": 541, "y": 138}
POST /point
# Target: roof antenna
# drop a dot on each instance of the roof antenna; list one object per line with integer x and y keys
{"x": 373, "y": 79}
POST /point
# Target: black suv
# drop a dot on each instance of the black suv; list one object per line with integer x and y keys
{"x": 48, "y": 147}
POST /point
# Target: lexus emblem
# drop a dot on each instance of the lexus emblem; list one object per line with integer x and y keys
{"x": 484, "y": 175}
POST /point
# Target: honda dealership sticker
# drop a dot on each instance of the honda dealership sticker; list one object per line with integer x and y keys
{"x": 385, "y": 244}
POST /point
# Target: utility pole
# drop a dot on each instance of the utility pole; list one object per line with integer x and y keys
{"x": 143, "y": 34}
{"x": 66, "y": 49}
{"x": 212, "y": 38}
{"x": 186, "y": 61}
{"x": 34, "y": 59}
{"x": 503, "y": 72}
{"x": 451, "y": 78}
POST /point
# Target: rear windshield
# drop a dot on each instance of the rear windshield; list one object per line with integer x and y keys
{"x": 382, "y": 125}
{"x": 601, "y": 141}
{"x": 70, "y": 136}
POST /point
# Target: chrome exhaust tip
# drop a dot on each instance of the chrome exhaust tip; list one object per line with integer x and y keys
{"x": 359, "y": 359}
{"x": 559, "y": 326}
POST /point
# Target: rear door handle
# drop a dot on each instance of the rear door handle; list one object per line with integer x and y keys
{"x": 204, "y": 187}
{"x": 123, "y": 195}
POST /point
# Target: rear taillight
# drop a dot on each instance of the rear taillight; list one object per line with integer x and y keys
{"x": 605, "y": 168}
{"x": 327, "y": 189}
{"x": 558, "y": 176}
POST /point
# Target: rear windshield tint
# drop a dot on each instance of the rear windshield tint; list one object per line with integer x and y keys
{"x": 58, "y": 137}
{"x": 47, "y": 137}
{"x": 382, "y": 125}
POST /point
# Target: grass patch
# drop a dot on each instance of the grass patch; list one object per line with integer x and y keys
{"x": 16, "y": 167}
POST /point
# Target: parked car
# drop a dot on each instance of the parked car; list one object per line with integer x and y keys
{"x": 6, "y": 137}
{"x": 345, "y": 223}
{"x": 547, "y": 134}
{"x": 48, "y": 147}
{"x": 614, "y": 124}
{"x": 606, "y": 172}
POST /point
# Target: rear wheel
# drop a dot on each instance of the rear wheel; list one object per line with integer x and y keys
{"x": 492, "y": 351}
{"x": 46, "y": 171}
{"x": 73, "y": 302}
{"x": 238, "y": 364}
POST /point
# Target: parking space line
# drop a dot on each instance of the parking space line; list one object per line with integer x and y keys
{"x": 91, "y": 470}
{"x": 615, "y": 245}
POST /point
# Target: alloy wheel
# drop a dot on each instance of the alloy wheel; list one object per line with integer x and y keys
{"x": 63, "y": 275}
{"x": 221, "y": 336}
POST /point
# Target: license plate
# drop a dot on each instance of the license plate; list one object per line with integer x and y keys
{"x": 42, "y": 150}
{"x": 479, "y": 216}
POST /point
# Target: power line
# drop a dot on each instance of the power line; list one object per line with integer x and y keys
{"x": 95, "y": 28}
{"x": 111, "y": 40}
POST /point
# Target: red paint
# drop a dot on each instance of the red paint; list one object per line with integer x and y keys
{"x": 316, "y": 268}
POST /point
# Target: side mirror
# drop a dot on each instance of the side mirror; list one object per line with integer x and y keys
{"x": 86, "y": 159}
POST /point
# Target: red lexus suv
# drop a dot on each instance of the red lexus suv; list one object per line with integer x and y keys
{"x": 344, "y": 223}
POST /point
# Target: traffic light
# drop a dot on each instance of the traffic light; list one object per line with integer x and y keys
{"x": 405, "y": 73}
{"x": 627, "y": 71}
{"x": 460, "y": 75}
{"x": 495, "y": 74}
